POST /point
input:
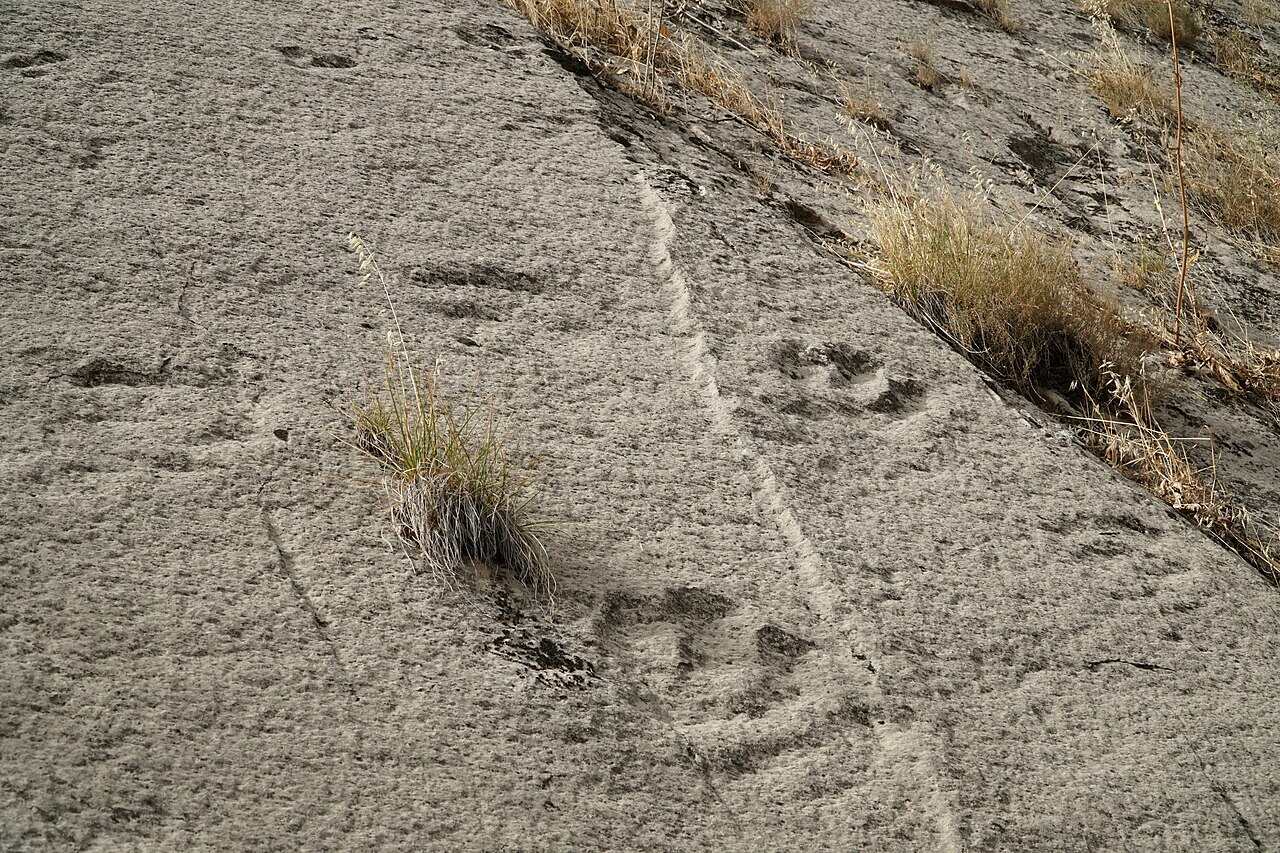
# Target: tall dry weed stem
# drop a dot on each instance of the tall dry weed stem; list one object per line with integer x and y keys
{"x": 1182, "y": 180}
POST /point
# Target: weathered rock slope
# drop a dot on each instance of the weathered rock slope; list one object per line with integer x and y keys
{"x": 819, "y": 586}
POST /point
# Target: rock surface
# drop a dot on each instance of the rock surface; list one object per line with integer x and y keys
{"x": 819, "y": 586}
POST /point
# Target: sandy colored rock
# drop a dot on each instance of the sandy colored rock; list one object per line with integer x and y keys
{"x": 820, "y": 587}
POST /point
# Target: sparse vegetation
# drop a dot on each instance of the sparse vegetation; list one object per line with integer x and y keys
{"x": 1255, "y": 369}
{"x": 925, "y": 73}
{"x": 1235, "y": 179}
{"x": 1236, "y": 54}
{"x": 1152, "y": 16}
{"x": 583, "y": 26}
{"x": 455, "y": 497}
{"x": 1016, "y": 305}
{"x": 776, "y": 20}
{"x": 618, "y": 31}
{"x": 1232, "y": 177}
{"x": 1259, "y": 12}
{"x": 858, "y": 106}
{"x": 1128, "y": 88}
{"x": 1008, "y": 297}
{"x": 1000, "y": 14}
{"x": 1237, "y": 363}
{"x": 1144, "y": 269}
{"x": 1127, "y": 436}
{"x": 699, "y": 71}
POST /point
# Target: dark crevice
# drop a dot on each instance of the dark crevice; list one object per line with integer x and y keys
{"x": 1150, "y": 667}
{"x": 285, "y": 563}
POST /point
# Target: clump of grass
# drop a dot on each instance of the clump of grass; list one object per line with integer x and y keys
{"x": 1128, "y": 88}
{"x": 456, "y": 498}
{"x": 1000, "y": 14}
{"x": 1259, "y": 12}
{"x": 1127, "y": 437}
{"x": 617, "y": 29}
{"x": 761, "y": 181}
{"x": 620, "y": 32}
{"x": 1236, "y": 180}
{"x": 1008, "y": 297}
{"x": 1237, "y": 54}
{"x": 925, "y": 73}
{"x": 1152, "y": 16}
{"x": 777, "y": 20}
{"x": 860, "y": 107}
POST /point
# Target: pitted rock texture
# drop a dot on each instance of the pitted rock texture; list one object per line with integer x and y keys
{"x": 819, "y": 588}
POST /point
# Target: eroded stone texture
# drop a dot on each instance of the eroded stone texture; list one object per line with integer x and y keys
{"x": 818, "y": 587}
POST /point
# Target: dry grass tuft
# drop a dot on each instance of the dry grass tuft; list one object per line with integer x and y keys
{"x": 761, "y": 181}
{"x": 1152, "y": 16}
{"x": 925, "y": 73}
{"x": 1237, "y": 54}
{"x": 777, "y": 21}
{"x": 697, "y": 70}
{"x": 861, "y": 107}
{"x": 1009, "y": 298}
{"x": 1000, "y": 14}
{"x": 1132, "y": 442}
{"x": 456, "y": 499}
{"x": 620, "y": 32}
{"x": 1259, "y": 12}
{"x": 649, "y": 52}
{"x": 1129, "y": 89}
{"x": 1236, "y": 180}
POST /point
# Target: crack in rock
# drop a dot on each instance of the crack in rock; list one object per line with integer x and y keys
{"x": 1149, "y": 667}
{"x": 285, "y": 562}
